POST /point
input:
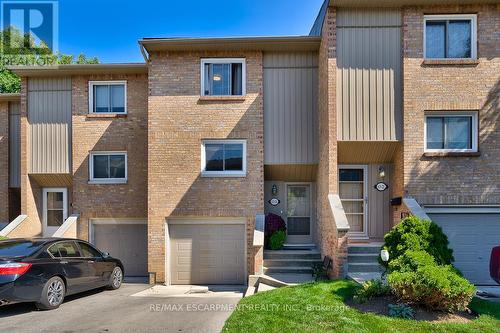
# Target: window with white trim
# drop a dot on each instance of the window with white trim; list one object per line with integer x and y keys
{"x": 451, "y": 132}
{"x": 223, "y": 77}
{"x": 108, "y": 97}
{"x": 108, "y": 167}
{"x": 223, "y": 158}
{"x": 450, "y": 36}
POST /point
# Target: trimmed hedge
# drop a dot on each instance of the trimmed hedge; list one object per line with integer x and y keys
{"x": 416, "y": 278}
{"x": 418, "y": 235}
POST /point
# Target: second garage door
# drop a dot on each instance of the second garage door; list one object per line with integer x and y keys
{"x": 125, "y": 241}
{"x": 203, "y": 253}
{"x": 471, "y": 236}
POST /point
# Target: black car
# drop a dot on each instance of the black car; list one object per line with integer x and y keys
{"x": 45, "y": 270}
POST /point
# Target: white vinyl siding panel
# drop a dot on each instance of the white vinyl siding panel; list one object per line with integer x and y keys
{"x": 14, "y": 144}
{"x": 369, "y": 85}
{"x": 290, "y": 108}
{"x": 49, "y": 117}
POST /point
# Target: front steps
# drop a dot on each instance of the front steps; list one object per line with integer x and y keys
{"x": 362, "y": 262}
{"x": 293, "y": 264}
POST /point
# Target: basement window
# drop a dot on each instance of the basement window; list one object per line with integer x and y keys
{"x": 451, "y": 132}
{"x": 108, "y": 97}
{"x": 108, "y": 167}
{"x": 223, "y": 158}
{"x": 450, "y": 37}
{"x": 223, "y": 77}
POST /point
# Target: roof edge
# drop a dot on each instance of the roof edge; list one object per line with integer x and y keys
{"x": 231, "y": 43}
{"x": 79, "y": 69}
{"x": 10, "y": 97}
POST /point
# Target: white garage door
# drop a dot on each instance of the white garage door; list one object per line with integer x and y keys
{"x": 125, "y": 241}
{"x": 471, "y": 236}
{"x": 207, "y": 253}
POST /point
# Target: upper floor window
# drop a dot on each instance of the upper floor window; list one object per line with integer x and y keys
{"x": 451, "y": 132}
{"x": 108, "y": 167}
{"x": 450, "y": 37}
{"x": 108, "y": 97}
{"x": 223, "y": 158}
{"x": 223, "y": 77}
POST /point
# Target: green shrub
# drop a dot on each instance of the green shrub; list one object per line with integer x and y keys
{"x": 418, "y": 235}
{"x": 421, "y": 282}
{"x": 277, "y": 240}
{"x": 401, "y": 311}
{"x": 369, "y": 289}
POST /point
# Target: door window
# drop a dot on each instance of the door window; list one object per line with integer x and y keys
{"x": 88, "y": 251}
{"x": 352, "y": 194}
{"x": 55, "y": 209}
{"x": 299, "y": 210}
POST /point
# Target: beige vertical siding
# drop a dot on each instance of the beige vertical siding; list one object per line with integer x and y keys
{"x": 14, "y": 144}
{"x": 290, "y": 108}
{"x": 369, "y": 89}
{"x": 49, "y": 117}
{"x": 379, "y": 207}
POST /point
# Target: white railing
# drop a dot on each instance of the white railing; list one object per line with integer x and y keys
{"x": 68, "y": 228}
{"x": 13, "y": 225}
{"x": 415, "y": 208}
{"x": 258, "y": 232}
{"x": 338, "y": 213}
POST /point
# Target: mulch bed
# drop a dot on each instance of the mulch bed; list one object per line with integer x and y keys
{"x": 380, "y": 306}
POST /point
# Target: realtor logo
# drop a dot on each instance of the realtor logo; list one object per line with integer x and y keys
{"x": 37, "y": 21}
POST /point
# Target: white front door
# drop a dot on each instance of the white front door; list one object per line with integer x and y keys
{"x": 55, "y": 209}
{"x": 353, "y": 195}
{"x": 298, "y": 224}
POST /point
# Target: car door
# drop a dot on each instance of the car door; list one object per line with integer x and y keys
{"x": 75, "y": 269}
{"x": 99, "y": 268}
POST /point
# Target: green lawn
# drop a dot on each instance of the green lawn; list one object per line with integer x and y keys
{"x": 319, "y": 307}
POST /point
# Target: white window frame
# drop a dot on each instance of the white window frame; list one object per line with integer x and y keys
{"x": 474, "y": 133}
{"x": 231, "y": 173}
{"x": 93, "y": 180}
{"x": 473, "y": 32}
{"x": 241, "y": 61}
{"x": 106, "y": 83}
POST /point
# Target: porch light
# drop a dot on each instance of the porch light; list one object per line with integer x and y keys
{"x": 274, "y": 190}
{"x": 384, "y": 255}
{"x": 217, "y": 78}
{"x": 381, "y": 172}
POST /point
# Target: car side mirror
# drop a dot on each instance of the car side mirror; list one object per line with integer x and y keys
{"x": 105, "y": 255}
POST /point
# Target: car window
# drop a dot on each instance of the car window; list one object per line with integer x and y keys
{"x": 64, "y": 250}
{"x": 88, "y": 251}
{"x": 18, "y": 248}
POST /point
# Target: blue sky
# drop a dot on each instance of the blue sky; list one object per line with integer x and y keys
{"x": 109, "y": 29}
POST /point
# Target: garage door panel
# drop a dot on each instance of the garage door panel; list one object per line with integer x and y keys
{"x": 215, "y": 257}
{"x": 127, "y": 242}
{"x": 471, "y": 236}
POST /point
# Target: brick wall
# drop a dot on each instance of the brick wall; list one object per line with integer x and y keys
{"x": 178, "y": 121}
{"x": 110, "y": 134}
{"x": 4, "y": 162}
{"x": 331, "y": 242}
{"x": 452, "y": 180}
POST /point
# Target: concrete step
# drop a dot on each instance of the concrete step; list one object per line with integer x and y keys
{"x": 363, "y": 277}
{"x": 290, "y": 262}
{"x": 292, "y": 278}
{"x": 363, "y": 258}
{"x": 363, "y": 268}
{"x": 292, "y": 254}
{"x": 299, "y": 247}
{"x": 364, "y": 249}
{"x": 288, "y": 270}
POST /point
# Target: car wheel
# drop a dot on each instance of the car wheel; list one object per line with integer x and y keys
{"x": 52, "y": 294}
{"x": 116, "y": 278}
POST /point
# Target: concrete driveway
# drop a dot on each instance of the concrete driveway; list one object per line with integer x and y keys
{"x": 117, "y": 311}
